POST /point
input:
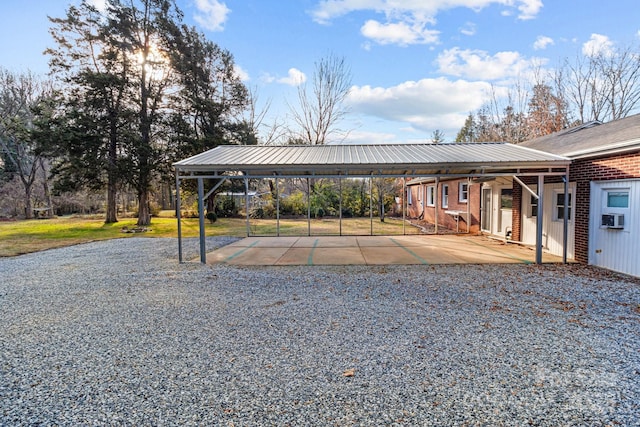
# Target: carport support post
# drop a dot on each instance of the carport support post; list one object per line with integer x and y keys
{"x": 468, "y": 205}
{"x": 540, "y": 219}
{"x": 203, "y": 249}
{"x": 371, "y": 205}
{"x": 404, "y": 202}
{"x": 340, "y": 189}
{"x": 308, "y": 208}
{"x": 178, "y": 215}
{"x": 437, "y": 203}
{"x": 246, "y": 204}
{"x": 277, "y": 209}
{"x": 565, "y": 222}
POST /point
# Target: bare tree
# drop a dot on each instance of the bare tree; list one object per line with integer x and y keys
{"x": 547, "y": 112}
{"x": 437, "y": 136}
{"x": 322, "y": 107}
{"x": 602, "y": 85}
{"x": 19, "y": 95}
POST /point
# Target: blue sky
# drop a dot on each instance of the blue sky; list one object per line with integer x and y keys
{"x": 417, "y": 65}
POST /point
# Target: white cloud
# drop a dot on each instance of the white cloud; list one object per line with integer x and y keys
{"x": 212, "y": 14}
{"x": 426, "y": 104}
{"x": 542, "y": 42}
{"x": 413, "y": 14}
{"x": 101, "y": 5}
{"x": 597, "y": 45}
{"x": 362, "y": 137}
{"x": 241, "y": 73}
{"x": 529, "y": 9}
{"x": 400, "y": 33}
{"x": 479, "y": 64}
{"x": 295, "y": 77}
{"x": 469, "y": 29}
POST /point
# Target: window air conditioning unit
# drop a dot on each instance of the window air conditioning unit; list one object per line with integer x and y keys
{"x": 615, "y": 221}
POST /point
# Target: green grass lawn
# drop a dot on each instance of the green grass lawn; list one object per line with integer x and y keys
{"x": 20, "y": 237}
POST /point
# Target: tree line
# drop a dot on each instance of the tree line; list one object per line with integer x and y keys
{"x": 595, "y": 86}
{"x": 132, "y": 89}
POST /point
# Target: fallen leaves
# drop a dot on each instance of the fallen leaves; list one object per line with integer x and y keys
{"x": 349, "y": 372}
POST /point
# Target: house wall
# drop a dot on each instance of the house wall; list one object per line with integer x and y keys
{"x": 500, "y": 220}
{"x": 583, "y": 171}
{"x": 615, "y": 248}
{"x": 553, "y": 226}
{"x": 419, "y": 208}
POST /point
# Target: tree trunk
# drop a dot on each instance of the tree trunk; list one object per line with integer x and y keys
{"x": 112, "y": 171}
{"x": 28, "y": 208}
{"x": 45, "y": 188}
{"x": 144, "y": 213}
{"x": 112, "y": 211}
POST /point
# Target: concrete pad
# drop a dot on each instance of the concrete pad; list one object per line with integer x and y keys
{"x": 389, "y": 255}
{"x": 373, "y": 250}
{"x": 337, "y": 256}
{"x": 326, "y": 242}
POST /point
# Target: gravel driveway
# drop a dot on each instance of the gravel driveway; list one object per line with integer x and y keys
{"x": 118, "y": 333}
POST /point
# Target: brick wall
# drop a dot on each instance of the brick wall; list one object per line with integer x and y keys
{"x": 625, "y": 166}
{"x": 418, "y": 194}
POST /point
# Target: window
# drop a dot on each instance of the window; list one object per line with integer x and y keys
{"x": 506, "y": 198}
{"x": 463, "y": 192}
{"x": 445, "y": 196}
{"x": 617, "y": 199}
{"x": 534, "y": 206}
{"x": 559, "y": 202}
{"x": 409, "y": 195}
{"x": 431, "y": 195}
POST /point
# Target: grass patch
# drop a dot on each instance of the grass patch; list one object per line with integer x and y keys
{"x": 21, "y": 237}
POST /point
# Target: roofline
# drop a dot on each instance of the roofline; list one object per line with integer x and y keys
{"x": 618, "y": 148}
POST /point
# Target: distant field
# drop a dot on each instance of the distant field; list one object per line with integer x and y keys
{"x": 20, "y": 237}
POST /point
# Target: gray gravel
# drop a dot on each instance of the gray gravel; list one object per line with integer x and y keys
{"x": 119, "y": 333}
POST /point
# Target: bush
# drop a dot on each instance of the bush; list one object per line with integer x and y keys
{"x": 319, "y": 213}
{"x": 257, "y": 213}
{"x": 212, "y": 217}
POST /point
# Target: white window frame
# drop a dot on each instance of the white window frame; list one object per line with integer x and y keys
{"x": 556, "y": 206}
{"x": 626, "y": 211}
{"x": 614, "y": 209}
{"x": 445, "y": 195}
{"x": 463, "y": 194}
{"x": 431, "y": 195}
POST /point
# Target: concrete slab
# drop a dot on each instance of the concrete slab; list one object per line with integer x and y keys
{"x": 373, "y": 250}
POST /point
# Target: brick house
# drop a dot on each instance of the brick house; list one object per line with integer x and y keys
{"x": 604, "y": 183}
{"x": 451, "y": 203}
{"x": 605, "y": 178}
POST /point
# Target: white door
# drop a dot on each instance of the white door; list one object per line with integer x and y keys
{"x": 615, "y": 245}
{"x": 486, "y": 208}
{"x": 505, "y": 208}
{"x": 529, "y": 216}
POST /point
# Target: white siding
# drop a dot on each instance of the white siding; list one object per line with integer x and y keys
{"x": 501, "y": 219}
{"x": 553, "y": 228}
{"x": 617, "y": 250}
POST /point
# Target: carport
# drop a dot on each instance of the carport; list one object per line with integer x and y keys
{"x": 471, "y": 161}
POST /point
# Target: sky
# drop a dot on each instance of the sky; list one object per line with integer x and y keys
{"x": 416, "y": 66}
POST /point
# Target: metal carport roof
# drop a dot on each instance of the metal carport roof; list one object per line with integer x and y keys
{"x": 393, "y": 160}
{"x": 364, "y": 160}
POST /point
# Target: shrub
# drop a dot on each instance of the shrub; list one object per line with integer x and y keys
{"x": 212, "y": 217}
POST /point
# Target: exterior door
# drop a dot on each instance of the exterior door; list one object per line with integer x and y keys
{"x": 486, "y": 210}
{"x": 506, "y": 211}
